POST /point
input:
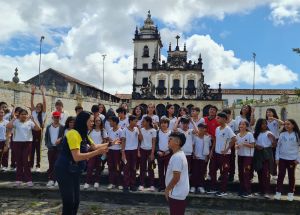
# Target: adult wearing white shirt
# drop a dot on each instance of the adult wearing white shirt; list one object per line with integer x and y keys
{"x": 38, "y": 113}
{"x": 177, "y": 176}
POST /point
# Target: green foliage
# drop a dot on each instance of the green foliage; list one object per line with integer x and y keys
{"x": 297, "y": 91}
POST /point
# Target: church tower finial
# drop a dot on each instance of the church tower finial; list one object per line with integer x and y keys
{"x": 177, "y": 46}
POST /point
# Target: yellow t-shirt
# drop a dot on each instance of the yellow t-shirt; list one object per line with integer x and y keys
{"x": 74, "y": 139}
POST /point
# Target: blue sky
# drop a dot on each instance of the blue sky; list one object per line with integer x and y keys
{"x": 78, "y": 33}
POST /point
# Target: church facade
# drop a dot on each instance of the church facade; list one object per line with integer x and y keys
{"x": 177, "y": 80}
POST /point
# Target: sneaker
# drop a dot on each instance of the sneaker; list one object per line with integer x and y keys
{"x": 277, "y": 196}
{"x": 86, "y": 186}
{"x": 120, "y": 187}
{"x": 110, "y": 186}
{"x": 221, "y": 194}
{"x": 267, "y": 196}
{"x": 152, "y": 189}
{"x": 246, "y": 195}
{"x": 18, "y": 183}
{"x": 29, "y": 184}
{"x": 192, "y": 190}
{"x": 50, "y": 183}
{"x": 4, "y": 169}
{"x": 56, "y": 184}
{"x": 201, "y": 190}
{"x": 208, "y": 178}
{"x": 141, "y": 188}
{"x": 96, "y": 185}
{"x": 290, "y": 197}
{"x": 211, "y": 192}
{"x": 38, "y": 169}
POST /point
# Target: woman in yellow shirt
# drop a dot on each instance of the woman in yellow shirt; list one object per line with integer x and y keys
{"x": 77, "y": 148}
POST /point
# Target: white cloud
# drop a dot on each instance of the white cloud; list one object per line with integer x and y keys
{"x": 98, "y": 27}
{"x": 284, "y": 11}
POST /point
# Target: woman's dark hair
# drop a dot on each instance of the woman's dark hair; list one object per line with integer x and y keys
{"x": 257, "y": 128}
{"x": 40, "y": 114}
{"x": 18, "y": 109}
{"x": 104, "y": 109}
{"x": 131, "y": 118}
{"x": 101, "y": 125}
{"x": 142, "y": 111}
{"x": 69, "y": 119}
{"x": 23, "y": 111}
{"x": 81, "y": 125}
{"x": 274, "y": 113}
{"x": 248, "y": 115}
{"x": 184, "y": 109}
{"x": 148, "y": 119}
{"x": 167, "y": 108}
{"x": 95, "y": 108}
{"x": 296, "y": 128}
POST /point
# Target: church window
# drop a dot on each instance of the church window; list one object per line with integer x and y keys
{"x": 191, "y": 89}
{"x": 176, "y": 89}
{"x": 146, "y": 51}
{"x": 145, "y": 66}
{"x": 145, "y": 82}
{"x": 161, "y": 89}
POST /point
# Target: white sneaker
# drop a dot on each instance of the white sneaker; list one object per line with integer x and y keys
{"x": 152, "y": 189}
{"x": 4, "y": 169}
{"x": 290, "y": 197}
{"x": 29, "y": 184}
{"x": 192, "y": 190}
{"x": 86, "y": 186}
{"x": 208, "y": 178}
{"x": 50, "y": 183}
{"x": 56, "y": 184}
{"x": 120, "y": 187}
{"x": 201, "y": 190}
{"x": 96, "y": 185}
{"x": 267, "y": 196}
{"x": 277, "y": 196}
{"x": 141, "y": 188}
{"x": 38, "y": 169}
{"x": 18, "y": 183}
{"x": 110, "y": 186}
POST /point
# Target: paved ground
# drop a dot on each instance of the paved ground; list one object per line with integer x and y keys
{"x": 53, "y": 207}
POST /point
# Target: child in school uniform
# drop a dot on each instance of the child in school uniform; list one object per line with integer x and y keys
{"x": 53, "y": 137}
{"x": 195, "y": 116}
{"x": 162, "y": 150}
{"x": 188, "y": 146}
{"x": 114, "y": 154}
{"x": 151, "y": 113}
{"x": 123, "y": 120}
{"x": 225, "y": 139}
{"x": 69, "y": 124}
{"x": 3, "y": 137}
{"x": 171, "y": 116}
{"x": 245, "y": 144}
{"x": 22, "y": 138}
{"x": 287, "y": 152}
{"x": 138, "y": 111}
{"x": 263, "y": 155}
{"x": 146, "y": 152}
{"x": 99, "y": 136}
{"x": 274, "y": 125}
{"x": 234, "y": 127}
{"x": 130, "y": 143}
{"x": 202, "y": 143}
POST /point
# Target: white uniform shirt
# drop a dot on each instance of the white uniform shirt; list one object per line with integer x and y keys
{"x": 22, "y": 131}
{"x": 201, "y": 120}
{"x": 243, "y": 150}
{"x": 132, "y": 138}
{"x": 124, "y": 123}
{"x": 3, "y": 124}
{"x": 35, "y": 117}
{"x": 155, "y": 118}
{"x": 96, "y": 136}
{"x": 263, "y": 140}
{"x": 163, "y": 139}
{"x": 148, "y": 136}
{"x": 188, "y": 146}
{"x": 54, "y": 131}
{"x": 223, "y": 138}
{"x": 201, "y": 146}
{"x": 287, "y": 147}
{"x": 232, "y": 124}
{"x": 114, "y": 135}
{"x": 274, "y": 127}
{"x": 172, "y": 123}
{"x": 238, "y": 119}
{"x": 178, "y": 163}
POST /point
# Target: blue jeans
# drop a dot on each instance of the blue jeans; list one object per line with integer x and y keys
{"x": 69, "y": 187}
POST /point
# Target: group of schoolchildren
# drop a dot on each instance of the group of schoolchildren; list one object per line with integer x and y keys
{"x": 212, "y": 144}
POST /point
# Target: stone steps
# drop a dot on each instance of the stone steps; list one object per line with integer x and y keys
{"x": 230, "y": 202}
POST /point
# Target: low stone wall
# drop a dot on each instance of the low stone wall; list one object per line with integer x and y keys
{"x": 20, "y": 95}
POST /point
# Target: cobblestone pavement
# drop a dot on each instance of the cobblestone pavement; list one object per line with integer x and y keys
{"x": 53, "y": 207}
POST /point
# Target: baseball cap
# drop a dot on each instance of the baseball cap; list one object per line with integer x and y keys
{"x": 56, "y": 114}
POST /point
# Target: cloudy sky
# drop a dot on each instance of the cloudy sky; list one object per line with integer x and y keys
{"x": 226, "y": 33}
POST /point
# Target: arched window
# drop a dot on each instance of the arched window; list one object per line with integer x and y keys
{"x": 146, "y": 51}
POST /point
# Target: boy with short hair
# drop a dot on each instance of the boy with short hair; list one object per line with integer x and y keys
{"x": 78, "y": 109}
{"x": 53, "y": 138}
{"x": 123, "y": 120}
{"x": 225, "y": 139}
{"x": 195, "y": 116}
{"x": 177, "y": 176}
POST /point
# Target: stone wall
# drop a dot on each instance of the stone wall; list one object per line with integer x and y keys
{"x": 20, "y": 95}
{"x": 286, "y": 107}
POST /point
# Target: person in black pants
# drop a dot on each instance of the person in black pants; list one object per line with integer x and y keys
{"x": 72, "y": 160}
